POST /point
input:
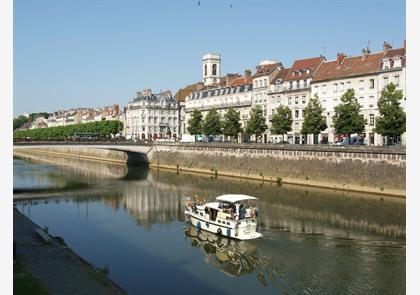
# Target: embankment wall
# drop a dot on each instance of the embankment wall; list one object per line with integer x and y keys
{"x": 365, "y": 169}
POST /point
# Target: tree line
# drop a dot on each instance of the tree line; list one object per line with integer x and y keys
{"x": 347, "y": 119}
{"x": 100, "y": 128}
{"x": 22, "y": 120}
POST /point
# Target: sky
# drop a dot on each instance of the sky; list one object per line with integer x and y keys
{"x": 94, "y": 53}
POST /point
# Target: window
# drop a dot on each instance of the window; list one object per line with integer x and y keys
{"x": 361, "y": 86}
{"x": 371, "y": 120}
{"x": 335, "y": 88}
{"x": 397, "y": 80}
{"x": 296, "y": 125}
{"x": 214, "y": 71}
{"x": 385, "y": 81}
{"x": 371, "y": 83}
{"x": 305, "y": 83}
{"x": 265, "y": 82}
{"x": 304, "y": 99}
{"x": 303, "y": 113}
{"x": 290, "y": 85}
{"x": 361, "y": 101}
{"x": 296, "y": 99}
{"x": 297, "y": 84}
{"x": 324, "y": 89}
{"x": 289, "y": 100}
{"x": 316, "y": 90}
{"x": 371, "y": 101}
{"x": 205, "y": 70}
{"x": 335, "y": 101}
{"x": 297, "y": 114}
{"x": 341, "y": 87}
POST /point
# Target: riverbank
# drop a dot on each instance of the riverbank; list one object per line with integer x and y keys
{"x": 57, "y": 267}
{"x": 373, "y": 170}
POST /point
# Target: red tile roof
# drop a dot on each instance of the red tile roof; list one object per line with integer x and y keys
{"x": 264, "y": 70}
{"x": 241, "y": 81}
{"x": 350, "y": 66}
{"x": 395, "y": 52}
{"x": 301, "y": 65}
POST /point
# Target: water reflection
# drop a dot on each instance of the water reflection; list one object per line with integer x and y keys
{"x": 227, "y": 255}
{"x": 315, "y": 241}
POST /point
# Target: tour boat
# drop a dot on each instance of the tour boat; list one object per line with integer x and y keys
{"x": 233, "y": 216}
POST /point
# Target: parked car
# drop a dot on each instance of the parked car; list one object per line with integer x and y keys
{"x": 354, "y": 140}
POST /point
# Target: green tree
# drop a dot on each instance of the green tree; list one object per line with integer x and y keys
{"x": 212, "y": 124}
{"x": 314, "y": 121}
{"x": 282, "y": 120}
{"x": 231, "y": 125}
{"x": 256, "y": 124}
{"x": 391, "y": 122}
{"x": 19, "y": 122}
{"x": 33, "y": 116}
{"x": 195, "y": 123}
{"x": 347, "y": 118}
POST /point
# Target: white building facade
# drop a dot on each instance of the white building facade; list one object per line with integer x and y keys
{"x": 152, "y": 116}
{"x": 367, "y": 74}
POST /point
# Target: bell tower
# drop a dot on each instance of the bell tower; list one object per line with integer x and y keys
{"x": 211, "y": 68}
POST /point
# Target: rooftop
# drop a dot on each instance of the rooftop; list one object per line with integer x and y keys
{"x": 233, "y": 198}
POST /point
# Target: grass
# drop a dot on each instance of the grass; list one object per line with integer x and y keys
{"x": 24, "y": 283}
{"x": 99, "y": 275}
{"x": 73, "y": 185}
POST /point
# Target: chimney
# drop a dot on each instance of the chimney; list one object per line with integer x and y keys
{"x": 247, "y": 74}
{"x": 340, "y": 58}
{"x": 365, "y": 52}
{"x": 387, "y": 47}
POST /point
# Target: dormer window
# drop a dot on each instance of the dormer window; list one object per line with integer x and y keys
{"x": 307, "y": 71}
{"x": 386, "y": 64}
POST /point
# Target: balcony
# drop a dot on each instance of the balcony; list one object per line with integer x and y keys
{"x": 220, "y": 106}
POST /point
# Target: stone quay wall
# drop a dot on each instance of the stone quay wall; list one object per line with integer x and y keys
{"x": 367, "y": 169}
{"x": 376, "y": 170}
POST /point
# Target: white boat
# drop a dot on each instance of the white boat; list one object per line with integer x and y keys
{"x": 233, "y": 216}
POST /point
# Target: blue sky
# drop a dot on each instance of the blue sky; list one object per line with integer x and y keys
{"x": 86, "y": 53}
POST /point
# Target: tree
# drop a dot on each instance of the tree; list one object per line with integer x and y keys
{"x": 231, "y": 125}
{"x": 347, "y": 118}
{"x": 212, "y": 124}
{"x": 314, "y": 121}
{"x": 392, "y": 117}
{"x": 19, "y": 122}
{"x": 282, "y": 120}
{"x": 256, "y": 124}
{"x": 195, "y": 123}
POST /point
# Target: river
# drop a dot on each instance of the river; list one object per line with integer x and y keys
{"x": 132, "y": 222}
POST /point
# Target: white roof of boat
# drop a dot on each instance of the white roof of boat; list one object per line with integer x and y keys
{"x": 232, "y": 198}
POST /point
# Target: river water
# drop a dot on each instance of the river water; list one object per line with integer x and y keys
{"x": 131, "y": 221}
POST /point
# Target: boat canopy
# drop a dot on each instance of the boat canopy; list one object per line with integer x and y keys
{"x": 232, "y": 198}
{"x": 213, "y": 205}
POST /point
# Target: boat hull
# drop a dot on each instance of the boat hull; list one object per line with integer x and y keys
{"x": 243, "y": 230}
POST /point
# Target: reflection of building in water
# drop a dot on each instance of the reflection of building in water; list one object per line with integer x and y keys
{"x": 148, "y": 204}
